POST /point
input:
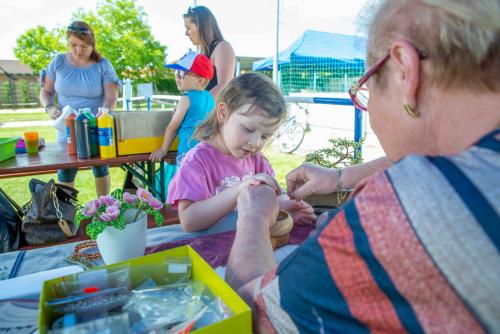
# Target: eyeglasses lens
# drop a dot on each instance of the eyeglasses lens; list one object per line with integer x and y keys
{"x": 180, "y": 74}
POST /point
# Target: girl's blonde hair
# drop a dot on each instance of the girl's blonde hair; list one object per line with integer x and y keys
{"x": 460, "y": 37}
{"x": 252, "y": 89}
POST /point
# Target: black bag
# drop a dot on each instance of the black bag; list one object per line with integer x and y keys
{"x": 11, "y": 217}
{"x": 49, "y": 216}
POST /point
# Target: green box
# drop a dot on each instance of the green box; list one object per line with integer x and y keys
{"x": 239, "y": 322}
{"x": 8, "y": 148}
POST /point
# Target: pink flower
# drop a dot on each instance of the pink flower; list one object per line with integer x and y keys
{"x": 144, "y": 195}
{"x": 90, "y": 208}
{"x": 107, "y": 200}
{"x": 155, "y": 203}
{"x": 111, "y": 213}
{"x": 129, "y": 198}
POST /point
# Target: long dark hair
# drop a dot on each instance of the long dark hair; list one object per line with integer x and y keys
{"x": 208, "y": 28}
{"x": 84, "y": 32}
{"x": 252, "y": 88}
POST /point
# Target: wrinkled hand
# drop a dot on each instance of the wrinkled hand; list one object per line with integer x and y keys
{"x": 54, "y": 112}
{"x": 310, "y": 179}
{"x": 158, "y": 155}
{"x": 257, "y": 203}
{"x": 302, "y": 213}
{"x": 262, "y": 178}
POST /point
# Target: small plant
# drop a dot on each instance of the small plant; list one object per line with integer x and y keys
{"x": 341, "y": 154}
{"x": 109, "y": 210}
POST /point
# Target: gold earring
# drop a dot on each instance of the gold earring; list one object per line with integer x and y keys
{"x": 411, "y": 111}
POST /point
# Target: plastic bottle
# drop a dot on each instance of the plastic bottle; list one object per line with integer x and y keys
{"x": 69, "y": 122}
{"x": 94, "y": 145}
{"x": 106, "y": 132}
{"x": 82, "y": 135}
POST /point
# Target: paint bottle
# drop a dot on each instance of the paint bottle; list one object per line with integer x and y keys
{"x": 69, "y": 122}
{"x": 82, "y": 135}
{"x": 94, "y": 142}
{"x": 106, "y": 133}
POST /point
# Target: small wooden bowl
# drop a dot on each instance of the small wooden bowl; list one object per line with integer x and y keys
{"x": 281, "y": 229}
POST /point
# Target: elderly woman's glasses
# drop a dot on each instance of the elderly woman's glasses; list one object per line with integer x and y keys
{"x": 79, "y": 30}
{"x": 359, "y": 89}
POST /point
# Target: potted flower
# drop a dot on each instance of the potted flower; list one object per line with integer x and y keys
{"x": 342, "y": 153}
{"x": 119, "y": 223}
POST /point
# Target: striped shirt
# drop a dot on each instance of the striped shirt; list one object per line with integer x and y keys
{"x": 416, "y": 250}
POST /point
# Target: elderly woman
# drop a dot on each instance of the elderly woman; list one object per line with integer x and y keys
{"x": 417, "y": 247}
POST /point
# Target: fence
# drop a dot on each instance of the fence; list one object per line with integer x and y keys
{"x": 19, "y": 93}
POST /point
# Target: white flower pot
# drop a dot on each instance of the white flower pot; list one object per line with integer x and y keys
{"x": 119, "y": 245}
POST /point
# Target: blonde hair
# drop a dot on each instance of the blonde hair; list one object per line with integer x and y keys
{"x": 460, "y": 37}
{"x": 252, "y": 88}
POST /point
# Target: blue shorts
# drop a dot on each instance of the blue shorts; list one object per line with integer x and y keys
{"x": 69, "y": 175}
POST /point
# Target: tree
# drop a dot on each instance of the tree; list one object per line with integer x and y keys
{"x": 37, "y": 46}
{"x": 124, "y": 37}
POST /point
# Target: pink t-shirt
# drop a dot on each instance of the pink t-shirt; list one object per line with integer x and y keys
{"x": 205, "y": 172}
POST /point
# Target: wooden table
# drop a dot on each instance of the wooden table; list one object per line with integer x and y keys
{"x": 54, "y": 156}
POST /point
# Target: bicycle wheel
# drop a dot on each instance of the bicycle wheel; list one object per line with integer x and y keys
{"x": 290, "y": 137}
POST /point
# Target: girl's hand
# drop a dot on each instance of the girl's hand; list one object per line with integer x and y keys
{"x": 302, "y": 213}
{"x": 262, "y": 178}
{"x": 158, "y": 155}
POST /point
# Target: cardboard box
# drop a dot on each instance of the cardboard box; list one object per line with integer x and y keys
{"x": 239, "y": 322}
{"x": 139, "y": 132}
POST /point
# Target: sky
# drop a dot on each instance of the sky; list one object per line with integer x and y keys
{"x": 249, "y": 25}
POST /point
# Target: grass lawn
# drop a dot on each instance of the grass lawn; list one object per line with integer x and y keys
{"x": 20, "y": 117}
{"x": 46, "y": 132}
{"x": 17, "y": 187}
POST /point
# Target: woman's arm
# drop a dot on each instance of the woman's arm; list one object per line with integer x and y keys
{"x": 352, "y": 175}
{"x": 310, "y": 179}
{"x": 110, "y": 95}
{"x": 197, "y": 216}
{"x": 224, "y": 61}
{"x": 47, "y": 94}
{"x": 171, "y": 130}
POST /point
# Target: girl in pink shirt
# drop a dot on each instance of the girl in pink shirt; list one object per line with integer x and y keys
{"x": 229, "y": 158}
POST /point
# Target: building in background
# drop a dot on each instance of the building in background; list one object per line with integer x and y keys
{"x": 19, "y": 87}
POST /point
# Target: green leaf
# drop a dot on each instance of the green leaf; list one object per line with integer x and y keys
{"x": 158, "y": 217}
{"x": 95, "y": 228}
{"x": 117, "y": 194}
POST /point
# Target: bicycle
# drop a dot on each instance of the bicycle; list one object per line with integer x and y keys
{"x": 292, "y": 132}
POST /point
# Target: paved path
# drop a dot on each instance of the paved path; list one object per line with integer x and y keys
{"x": 24, "y": 124}
{"x": 21, "y": 111}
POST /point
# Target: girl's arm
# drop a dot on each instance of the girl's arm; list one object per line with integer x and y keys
{"x": 110, "y": 95}
{"x": 197, "y": 216}
{"x": 171, "y": 130}
{"x": 224, "y": 61}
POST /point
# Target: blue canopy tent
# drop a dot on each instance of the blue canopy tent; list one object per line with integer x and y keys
{"x": 319, "y": 61}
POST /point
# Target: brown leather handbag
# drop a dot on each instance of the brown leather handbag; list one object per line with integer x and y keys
{"x": 49, "y": 216}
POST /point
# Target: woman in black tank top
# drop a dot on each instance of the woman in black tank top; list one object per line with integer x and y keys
{"x": 203, "y": 31}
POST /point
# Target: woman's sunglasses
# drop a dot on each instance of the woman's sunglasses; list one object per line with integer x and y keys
{"x": 79, "y": 30}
